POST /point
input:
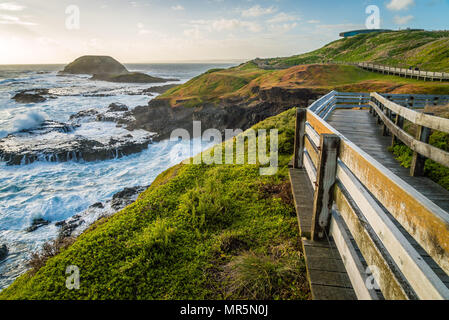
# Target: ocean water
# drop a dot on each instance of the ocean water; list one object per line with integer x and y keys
{"x": 57, "y": 191}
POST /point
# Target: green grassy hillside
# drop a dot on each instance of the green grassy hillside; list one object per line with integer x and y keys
{"x": 427, "y": 50}
{"x": 199, "y": 232}
{"x": 424, "y": 49}
{"x": 246, "y": 81}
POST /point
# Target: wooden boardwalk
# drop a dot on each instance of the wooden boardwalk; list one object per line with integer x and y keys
{"x": 327, "y": 266}
{"x": 361, "y": 128}
{"x": 328, "y": 278}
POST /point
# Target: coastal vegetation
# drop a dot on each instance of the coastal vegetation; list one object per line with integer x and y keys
{"x": 225, "y": 231}
{"x": 435, "y": 171}
{"x": 426, "y": 50}
{"x": 198, "y": 232}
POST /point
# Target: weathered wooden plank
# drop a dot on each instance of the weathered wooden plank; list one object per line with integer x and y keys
{"x": 388, "y": 277}
{"x": 310, "y": 169}
{"x": 312, "y": 152}
{"x": 312, "y": 134}
{"x": 326, "y": 169}
{"x": 420, "y": 276}
{"x": 299, "y": 138}
{"x": 317, "y": 123}
{"x": 418, "y": 161}
{"x": 302, "y": 192}
{"x": 429, "y": 121}
{"x": 326, "y": 273}
{"x": 354, "y": 267}
{"x": 332, "y": 293}
{"x": 438, "y": 155}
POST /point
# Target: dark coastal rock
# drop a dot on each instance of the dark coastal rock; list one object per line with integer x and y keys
{"x": 125, "y": 197}
{"x": 236, "y": 113}
{"x": 3, "y": 252}
{"x": 84, "y": 114}
{"x": 57, "y": 142}
{"x": 106, "y": 68}
{"x": 159, "y": 89}
{"x": 117, "y": 107}
{"x": 97, "y": 205}
{"x": 131, "y": 77}
{"x": 36, "y": 224}
{"x": 23, "y": 97}
{"x": 95, "y": 65}
{"x": 78, "y": 223}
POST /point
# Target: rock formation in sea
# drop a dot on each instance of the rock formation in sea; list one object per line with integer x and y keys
{"x": 79, "y": 140}
{"x": 106, "y": 68}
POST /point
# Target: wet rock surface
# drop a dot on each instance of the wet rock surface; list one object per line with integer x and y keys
{"x": 81, "y": 140}
{"x": 159, "y": 116}
{"x": 3, "y": 252}
{"x": 159, "y": 89}
{"x": 125, "y": 197}
{"x": 75, "y": 225}
{"x": 32, "y": 96}
{"x": 36, "y": 224}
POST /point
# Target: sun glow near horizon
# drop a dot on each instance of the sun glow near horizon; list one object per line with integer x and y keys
{"x": 142, "y": 31}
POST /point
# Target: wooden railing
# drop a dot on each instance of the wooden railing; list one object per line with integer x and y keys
{"x": 365, "y": 207}
{"x": 408, "y": 73}
{"x": 392, "y": 115}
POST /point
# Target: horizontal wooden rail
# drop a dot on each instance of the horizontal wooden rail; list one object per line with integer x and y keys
{"x": 431, "y": 75}
{"x": 436, "y": 123}
{"x": 370, "y": 202}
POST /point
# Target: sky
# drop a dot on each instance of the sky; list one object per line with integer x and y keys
{"x": 139, "y": 31}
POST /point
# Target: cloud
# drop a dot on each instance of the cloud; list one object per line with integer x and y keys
{"x": 224, "y": 25}
{"x": 285, "y": 27}
{"x": 8, "y": 19}
{"x": 313, "y": 21}
{"x": 178, "y": 7}
{"x": 397, "y": 5}
{"x": 282, "y": 17}
{"x": 232, "y": 24}
{"x": 11, "y": 6}
{"x": 403, "y": 20}
{"x": 257, "y": 11}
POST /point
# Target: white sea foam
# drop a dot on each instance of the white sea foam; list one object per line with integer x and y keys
{"x": 57, "y": 191}
{"x": 30, "y": 120}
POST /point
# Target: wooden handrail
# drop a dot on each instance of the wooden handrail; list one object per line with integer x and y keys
{"x": 438, "y": 155}
{"x": 369, "y": 201}
{"x": 433, "y": 122}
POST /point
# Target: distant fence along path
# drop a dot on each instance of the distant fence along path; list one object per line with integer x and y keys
{"x": 407, "y": 73}
{"x": 371, "y": 229}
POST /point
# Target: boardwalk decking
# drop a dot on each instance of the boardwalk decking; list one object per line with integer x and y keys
{"x": 326, "y": 271}
{"x": 361, "y": 128}
{"x": 327, "y": 275}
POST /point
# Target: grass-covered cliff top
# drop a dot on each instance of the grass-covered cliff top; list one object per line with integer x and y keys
{"x": 427, "y": 50}
{"x": 200, "y": 231}
{"x": 246, "y": 81}
{"x": 424, "y": 49}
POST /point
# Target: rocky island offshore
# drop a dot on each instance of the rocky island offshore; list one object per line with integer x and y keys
{"x": 106, "y": 68}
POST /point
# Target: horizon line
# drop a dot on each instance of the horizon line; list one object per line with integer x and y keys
{"x": 147, "y": 62}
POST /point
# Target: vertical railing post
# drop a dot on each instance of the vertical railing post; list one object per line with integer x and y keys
{"x": 418, "y": 160}
{"x": 300, "y": 128}
{"x": 399, "y": 121}
{"x": 384, "y": 127}
{"x": 326, "y": 176}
